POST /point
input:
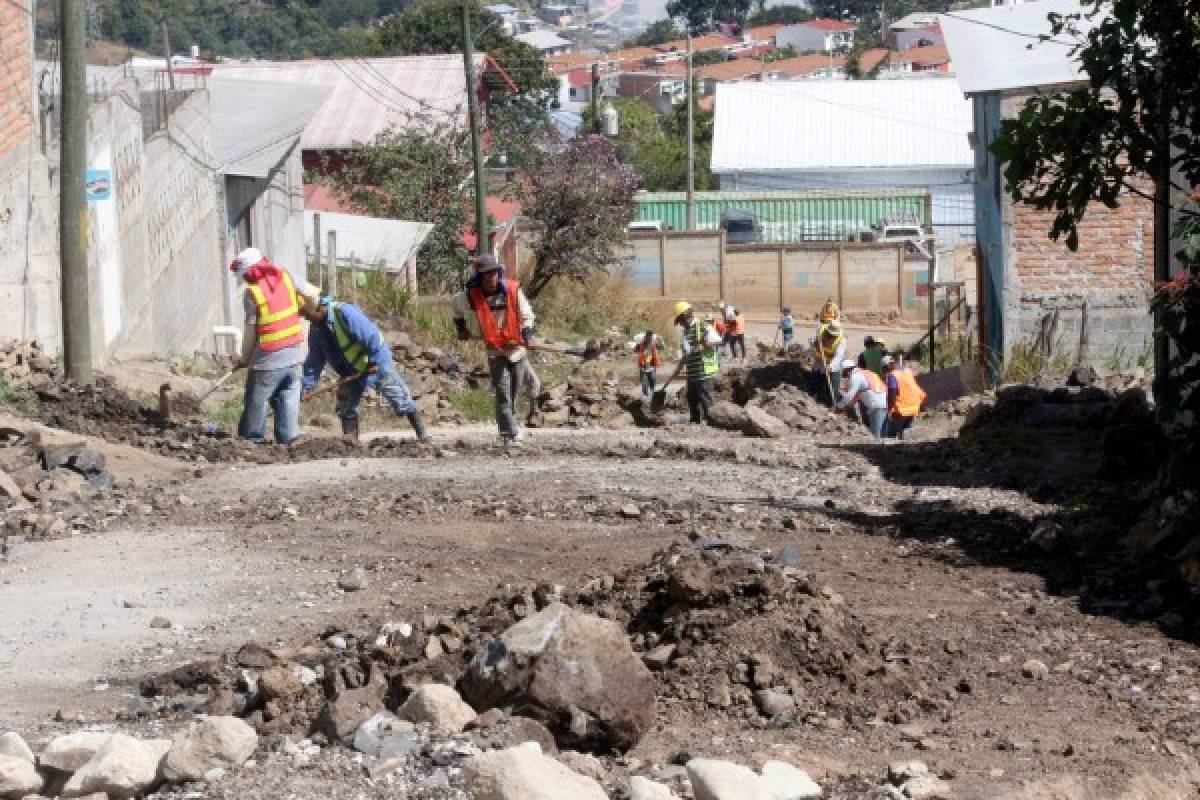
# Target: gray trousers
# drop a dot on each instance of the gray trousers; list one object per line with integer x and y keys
{"x": 506, "y": 384}
{"x": 699, "y": 399}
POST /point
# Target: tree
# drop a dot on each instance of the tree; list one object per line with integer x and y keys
{"x": 708, "y": 57}
{"x": 779, "y": 15}
{"x": 580, "y": 198}
{"x": 416, "y": 173}
{"x": 702, "y": 15}
{"x": 658, "y": 32}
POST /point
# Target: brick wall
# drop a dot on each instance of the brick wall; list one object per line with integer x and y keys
{"x": 16, "y": 76}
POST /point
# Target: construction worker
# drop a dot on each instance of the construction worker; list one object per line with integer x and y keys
{"x": 904, "y": 397}
{"x": 720, "y": 327}
{"x": 494, "y": 309}
{"x": 272, "y": 346}
{"x": 867, "y": 389}
{"x": 531, "y": 387}
{"x": 648, "y": 360}
{"x": 737, "y": 333}
{"x": 346, "y": 339}
{"x": 787, "y": 328}
{"x": 830, "y": 349}
{"x": 698, "y": 351}
{"x": 829, "y": 312}
{"x": 872, "y": 355}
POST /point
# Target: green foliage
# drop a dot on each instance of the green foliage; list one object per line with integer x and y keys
{"x": 703, "y": 15}
{"x": 779, "y": 15}
{"x": 18, "y": 398}
{"x": 416, "y": 173}
{"x": 656, "y": 146}
{"x": 580, "y": 198}
{"x": 659, "y": 32}
{"x": 779, "y": 54}
{"x": 477, "y": 405}
{"x": 1098, "y": 142}
{"x": 707, "y": 57}
{"x": 234, "y": 28}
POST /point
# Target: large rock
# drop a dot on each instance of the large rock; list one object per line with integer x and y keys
{"x": 749, "y": 420}
{"x": 208, "y": 743}
{"x": 341, "y": 717}
{"x": 722, "y": 780}
{"x": 440, "y": 706}
{"x": 645, "y": 789}
{"x": 71, "y": 751}
{"x": 574, "y": 672}
{"x": 122, "y": 767}
{"x": 523, "y": 773}
{"x": 18, "y": 777}
{"x": 11, "y": 744}
{"x": 386, "y": 731}
{"x": 786, "y": 782}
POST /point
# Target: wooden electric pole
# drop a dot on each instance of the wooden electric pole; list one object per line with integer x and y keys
{"x": 691, "y": 138}
{"x": 72, "y": 202}
{"x": 166, "y": 40}
{"x": 482, "y": 245}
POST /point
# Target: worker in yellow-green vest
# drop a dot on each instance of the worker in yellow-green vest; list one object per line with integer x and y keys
{"x": 698, "y": 343}
{"x": 346, "y": 339}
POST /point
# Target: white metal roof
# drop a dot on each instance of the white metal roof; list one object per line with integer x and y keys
{"x": 255, "y": 123}
{"x": 501, "y": 8}
{"x": 368, "y": 95}
{"x": 543, "y": 39}
{"x": 994, "y": 49}
{"x": 371, "y": 241}
{"x": 841, "y": 125}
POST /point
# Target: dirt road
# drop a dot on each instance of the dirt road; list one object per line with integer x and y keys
{"x": 1016, "y": 683}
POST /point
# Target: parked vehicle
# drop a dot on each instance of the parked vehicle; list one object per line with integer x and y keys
{"x": 740, "y": 227}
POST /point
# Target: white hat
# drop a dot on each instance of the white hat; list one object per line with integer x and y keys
{"x": 887, "y": 360}
{"x": 245, "y": 260}
{"x": 848, "y": 364}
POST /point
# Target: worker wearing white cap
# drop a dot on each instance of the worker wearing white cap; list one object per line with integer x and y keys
{"x": 273, "y": 345}
{"x": 867, "y": 389}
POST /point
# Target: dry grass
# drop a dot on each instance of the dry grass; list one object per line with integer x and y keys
{"x": 593, "y": 307}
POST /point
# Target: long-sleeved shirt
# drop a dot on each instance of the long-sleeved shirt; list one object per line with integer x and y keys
{"x": 711, "y": 339}
{"x": 464, "y": 315}
{"x": 859, "y": 389}
{"x": 323, "y": 347}
{"x": 893, "y": 389}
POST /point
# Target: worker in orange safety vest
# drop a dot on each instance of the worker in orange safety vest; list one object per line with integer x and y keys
{"x": 905, "y": 397}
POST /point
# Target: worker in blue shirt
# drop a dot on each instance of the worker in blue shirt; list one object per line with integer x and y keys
{"x": 346, "y": 339}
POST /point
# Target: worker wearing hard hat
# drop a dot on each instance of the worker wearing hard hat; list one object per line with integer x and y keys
{"x": 904, "y": 397}
{"x": 698, "y": 355}
{"x": 273, "y": 345}
{"x": 868, "y": 390}
{"x": 829, "y": 348}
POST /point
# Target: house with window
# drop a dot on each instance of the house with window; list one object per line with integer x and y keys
{"x": 819, "y": 35}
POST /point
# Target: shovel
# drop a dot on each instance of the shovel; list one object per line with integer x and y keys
{"x": 588, "y": 354}
{"x": 329, "y": 387}
{"x": 220, "y": 382}
{"x": 658, "y": 401}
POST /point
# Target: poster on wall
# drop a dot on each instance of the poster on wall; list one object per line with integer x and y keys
{"x": 97, "y": 184}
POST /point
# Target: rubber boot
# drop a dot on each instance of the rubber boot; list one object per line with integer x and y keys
{"x": 418, "y": 426}
{"x": 350, "y": 429}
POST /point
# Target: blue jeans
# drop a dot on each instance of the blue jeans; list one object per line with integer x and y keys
{"x": 648, "y": 376}
{"x": 281, "y": 389}
{"x": 875, "y": 419}
{"x": 391, "y": 387}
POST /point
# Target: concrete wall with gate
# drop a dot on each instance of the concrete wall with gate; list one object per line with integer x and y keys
{"x": 864, "y": 278}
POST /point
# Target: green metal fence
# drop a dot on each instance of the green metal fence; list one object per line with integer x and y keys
{"x": 800, "y": 216}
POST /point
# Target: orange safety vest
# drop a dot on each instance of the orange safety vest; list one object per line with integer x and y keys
{"x": 875, "y": 382}
{"x": 909, "y": 395}
{"x": 648, "y": 356}
{"x": 494, "y": 336}
{"x": 739, "y": 326}
{"x": 278, "y": 323}
{"x": 719, "y": 326}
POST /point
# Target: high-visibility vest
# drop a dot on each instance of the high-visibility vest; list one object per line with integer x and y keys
{"x": 352, "y": 349}
{"x": 738, "y": 328}
{"x": 828, "y": 350}
{"x": 648, "y": 355}
{"x": 909, "y": 394}
{"x": 278, "y": 323}
{"x": 494, "y": 336}
{"x": 702, "y": 359}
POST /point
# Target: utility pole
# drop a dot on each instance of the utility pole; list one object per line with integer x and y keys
{"x": 691, "y": 139}
{"x": 482, "y": 245}
{"x": 596, "y": 126}
{"x": 166, "y": 39}
{"x": 72, "y": 204}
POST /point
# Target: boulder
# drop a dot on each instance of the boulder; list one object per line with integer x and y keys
{"x": 208, "y": 743}
{"x": 18, "y": 777}
{"x": 722, "y": 780}
{"x": 574, "y": 672}
{"x": 440, "y": 706}
{"x": 122, "y": 767}
{"x": 341, "y": 717}
{"x": 748, "y": 420}
{"x": 279, "y": 683}
{"x": 11, "y": 744}
{"x": 71, "y": 751}
{"x": 645, "y": 789}
{"x": 524, "y": 773}
{"x": 385, "y": 731}
{"x": 786, "y": 782}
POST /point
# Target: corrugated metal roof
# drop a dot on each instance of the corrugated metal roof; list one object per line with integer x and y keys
{"x": 371, "y": 241}
{"x": 277, "y": 114}
{"x": 999, "y": 48}
{"x": 833, "y": 125}
{"x": 543, "y": 40}
{"x": 368, "y": 95}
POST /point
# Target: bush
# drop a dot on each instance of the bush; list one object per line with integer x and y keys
{"x": 592, "y": 307}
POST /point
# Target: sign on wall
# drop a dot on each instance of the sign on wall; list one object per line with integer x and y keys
{"x": 97, "y": 184}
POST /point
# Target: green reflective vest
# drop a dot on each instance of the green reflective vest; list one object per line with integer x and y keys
{"x": 352, "y": 350}
{"x": 702, "y": 358}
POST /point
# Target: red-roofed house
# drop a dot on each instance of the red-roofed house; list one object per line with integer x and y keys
{"x": 824, "y": 35}
{"x": 919, "y": 37}
{"x": 923, "y": 59}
